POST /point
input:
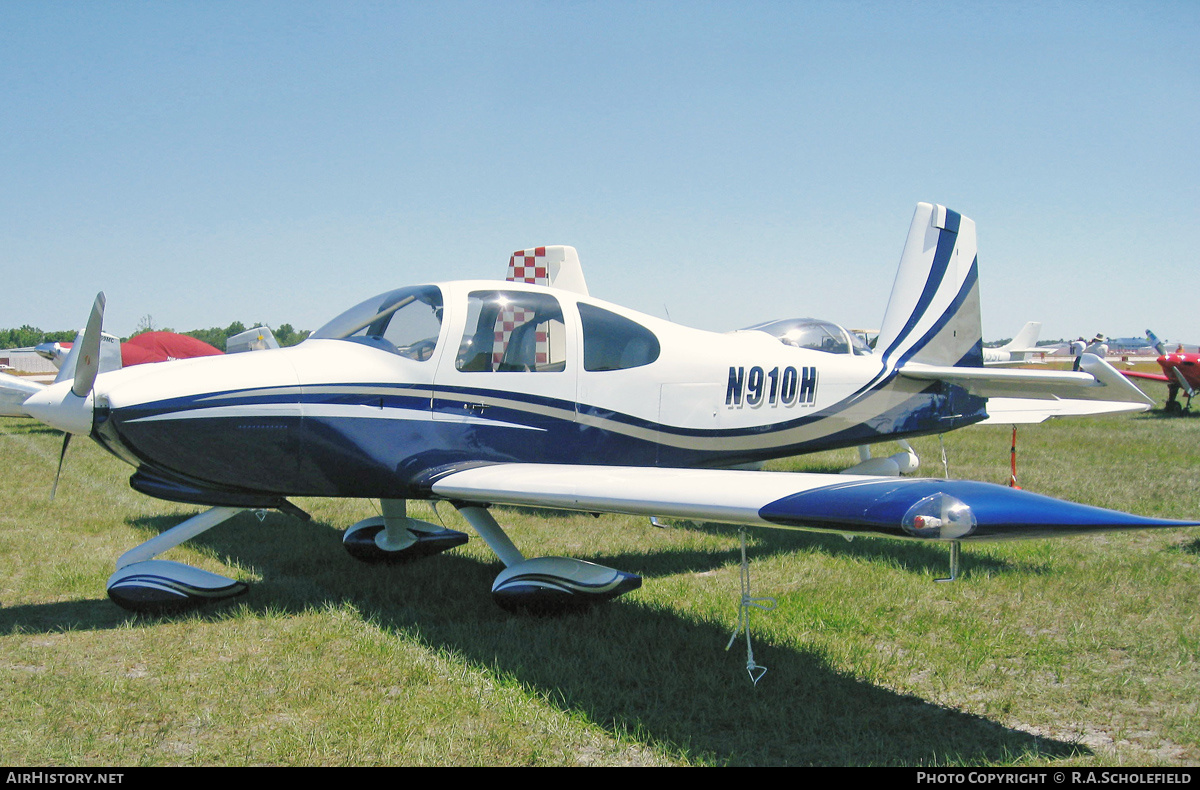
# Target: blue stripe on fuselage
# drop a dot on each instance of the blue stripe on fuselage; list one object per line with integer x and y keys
{"x": 335, "y": 452}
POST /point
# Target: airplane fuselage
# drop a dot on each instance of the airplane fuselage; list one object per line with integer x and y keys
{"x": 364, "y": 417}
{"x": 1183, "y": 366}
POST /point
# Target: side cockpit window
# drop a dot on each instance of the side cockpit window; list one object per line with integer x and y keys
{"x": 613, "y": 342}
{"x": 406, "y": 322}
{"x": 510, "y": 331}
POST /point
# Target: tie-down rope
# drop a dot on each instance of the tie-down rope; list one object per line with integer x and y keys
{"x": 753, "y": 668}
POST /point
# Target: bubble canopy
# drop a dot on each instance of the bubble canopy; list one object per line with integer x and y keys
{"x": 815, "y": 334}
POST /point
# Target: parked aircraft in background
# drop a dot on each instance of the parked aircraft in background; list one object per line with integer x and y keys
{"x": 539, "y": 395}
{"x": 260, "y": 338}
{"x": 1180, "y": 371}
{"x": 138, "y": 350}
{"x": 14, "y": 391}
{"x": 60, "y": 354}
{"x": 1022, "y": 348}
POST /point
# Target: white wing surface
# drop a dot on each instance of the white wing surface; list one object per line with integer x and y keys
{"x": 887, "y": 506}
{"x": 14, "y": 391}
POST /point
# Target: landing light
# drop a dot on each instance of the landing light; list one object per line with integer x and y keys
{"x": 939, "y": 517}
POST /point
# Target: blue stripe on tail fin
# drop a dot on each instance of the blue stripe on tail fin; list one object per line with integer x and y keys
{"x": 933, "y": 312}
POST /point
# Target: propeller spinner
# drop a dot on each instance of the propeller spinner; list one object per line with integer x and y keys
{"x": 70, "y": 409}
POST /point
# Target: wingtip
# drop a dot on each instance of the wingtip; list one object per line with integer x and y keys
{"x": 997, "y": 512}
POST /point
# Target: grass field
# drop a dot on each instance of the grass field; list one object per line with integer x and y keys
{"x": 1082, "y": 651}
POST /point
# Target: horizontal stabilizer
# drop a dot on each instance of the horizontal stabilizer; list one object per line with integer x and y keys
{"x": 1097, "y": 382}
{"x": 887, "y": 506}
{"x": 1026, "y": 411}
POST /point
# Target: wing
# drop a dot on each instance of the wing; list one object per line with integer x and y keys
{"x": 1096, "y": 388}
{"x": 14, "y": 391}
{"x": 886, "y": 506}
{"x": 1133, "y": 374}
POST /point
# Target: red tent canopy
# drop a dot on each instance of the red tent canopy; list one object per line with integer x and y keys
{"x": 162, "y": 346}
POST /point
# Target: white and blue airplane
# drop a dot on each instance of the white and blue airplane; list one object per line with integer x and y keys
{"x": 505, "y": 392}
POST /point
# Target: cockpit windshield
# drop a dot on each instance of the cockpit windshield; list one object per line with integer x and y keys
{"x": 406, "y": 321}
{"x": 815, "y": 334}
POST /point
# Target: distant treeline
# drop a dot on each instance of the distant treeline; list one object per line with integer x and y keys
{"x": 31, "y": 336}
{"x": 215, "y": 337}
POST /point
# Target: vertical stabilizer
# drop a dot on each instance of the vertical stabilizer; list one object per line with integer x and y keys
{"x": 556, "y": 266}
{"x": 1026, "y": 339}
{"x": 110, "y": 356}
{"x": 260, "y": 338}
{"x": 1159, "y": 346}
{"x": 933, "y": 313}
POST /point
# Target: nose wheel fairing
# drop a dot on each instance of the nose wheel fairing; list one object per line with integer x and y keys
{"x": 396, "y": 538}
{"x": 164, "y": 586}
{"x": 143, "y": 583}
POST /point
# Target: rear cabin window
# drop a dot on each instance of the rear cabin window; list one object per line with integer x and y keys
{"x": 613, "y": 342}
{"x": 511, "y": 331}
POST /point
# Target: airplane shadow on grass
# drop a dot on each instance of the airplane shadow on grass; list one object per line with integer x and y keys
{"x": 1163, "y": 414}
{"x": 27, "y": 427}
{"x": 910, "y": 555}
{"x": 627, "y": 667}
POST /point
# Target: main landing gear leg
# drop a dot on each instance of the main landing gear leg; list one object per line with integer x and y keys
{"x": 144, "y": 584}
{"x": 395, "y": 538}
{"x": 544, "y": 585}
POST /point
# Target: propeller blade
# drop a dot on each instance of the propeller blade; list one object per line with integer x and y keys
{"x": 61, "y": 456}
{"x": 1158, "y": 344}
{"x": 88, "y": 363}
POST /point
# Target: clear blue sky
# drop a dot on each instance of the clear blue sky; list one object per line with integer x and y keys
{"x": 204, "y": 162}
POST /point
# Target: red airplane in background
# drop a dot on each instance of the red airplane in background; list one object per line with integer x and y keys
{"x": 1180, "y": 370}
{"x": 114, "y": 355}
{"x": 143, "y": 348}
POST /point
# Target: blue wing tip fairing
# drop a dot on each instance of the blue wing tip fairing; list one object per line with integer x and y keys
{"x": 948, "y": 510}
